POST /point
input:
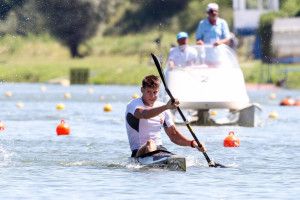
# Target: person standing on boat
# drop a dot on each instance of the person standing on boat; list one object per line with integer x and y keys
{"x": 182, "y": 55}
{"x": 213, "y": 30}
{"x": 145, "y": 117}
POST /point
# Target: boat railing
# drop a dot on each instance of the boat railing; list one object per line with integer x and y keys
{"x": 209, "y": 56}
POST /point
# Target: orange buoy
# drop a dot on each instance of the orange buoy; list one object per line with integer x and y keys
{"x": 288, "y": 101}
{"x": 297, "y": 103}
{"x": 2, "y": 126}
{"x": 63, "y": 128}
{"x": 231, "y": 140}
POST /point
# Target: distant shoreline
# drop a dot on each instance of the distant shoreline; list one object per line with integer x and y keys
{"x": 113, "y": 60}
{"x": 263, "y": 86}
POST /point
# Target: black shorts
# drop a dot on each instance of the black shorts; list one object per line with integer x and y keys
{"x": 159, "y": 147}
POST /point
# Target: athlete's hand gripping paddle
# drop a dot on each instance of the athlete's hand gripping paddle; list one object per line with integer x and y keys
{"x": 159, "y": 69}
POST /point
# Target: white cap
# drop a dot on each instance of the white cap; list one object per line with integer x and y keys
{"x": 212, "y": 6}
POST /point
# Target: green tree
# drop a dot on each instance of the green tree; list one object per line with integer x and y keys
{"x": 73, "y": 21}
{"x": 147, "y": 14}
{"x": 28, "y": 19}
{"x": 290, "y": 7}
{"x": 7, "y": 5}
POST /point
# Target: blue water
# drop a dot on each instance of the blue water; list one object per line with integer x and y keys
{"x": 92, "y": 163}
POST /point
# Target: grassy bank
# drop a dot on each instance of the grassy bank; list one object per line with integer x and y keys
{"x": 257, "y": 72}
{"x": 111, "y": 60}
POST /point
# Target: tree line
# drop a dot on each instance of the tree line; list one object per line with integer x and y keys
{"x": 72, "y": 22}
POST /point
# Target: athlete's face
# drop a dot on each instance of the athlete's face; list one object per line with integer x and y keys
{"x": 150, "y": 95}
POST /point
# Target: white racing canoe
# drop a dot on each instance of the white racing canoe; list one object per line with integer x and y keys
{"x": 162, "y": 159}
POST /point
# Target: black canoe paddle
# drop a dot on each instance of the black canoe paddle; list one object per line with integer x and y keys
{"x": 210, "y": 162}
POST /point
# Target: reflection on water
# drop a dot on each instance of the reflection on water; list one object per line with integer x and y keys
{"x": 93, "y": 161}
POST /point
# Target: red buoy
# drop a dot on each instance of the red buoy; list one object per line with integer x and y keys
{"x": 2, "y": 126}
{"x": 231, "y": 140}
{"x": 288, "y": 101}
{"x": 63, "y": 128}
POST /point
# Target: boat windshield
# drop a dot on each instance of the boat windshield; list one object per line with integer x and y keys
{"x": 207, "y": 56}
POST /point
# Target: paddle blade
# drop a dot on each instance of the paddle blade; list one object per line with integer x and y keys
{"x": 216, "y": 165}
{"x": 159, "y": 69}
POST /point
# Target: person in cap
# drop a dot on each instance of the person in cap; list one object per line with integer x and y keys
{"x": 213, "y": 30}
{"x": 182, "y": 55}
{"x": 146, "y": 117}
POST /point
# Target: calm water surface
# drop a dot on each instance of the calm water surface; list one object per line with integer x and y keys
{"x": 92, "y": 163}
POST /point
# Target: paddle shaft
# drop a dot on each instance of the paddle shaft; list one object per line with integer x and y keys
{"x": 179, "y": 110}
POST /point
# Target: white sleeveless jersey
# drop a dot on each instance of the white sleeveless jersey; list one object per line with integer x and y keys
{"x": 141, "y": 130}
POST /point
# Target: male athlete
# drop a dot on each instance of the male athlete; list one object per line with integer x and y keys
{"x": 145, "y": 116}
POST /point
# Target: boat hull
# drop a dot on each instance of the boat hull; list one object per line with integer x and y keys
{"x": 208, "y": 88}
{"x": 214, "y": 80}
{"x": 164, "y": 160}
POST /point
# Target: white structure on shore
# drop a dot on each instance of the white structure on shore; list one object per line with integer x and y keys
{"x": 286, "y": 40}
{"x": 246, "y": 14}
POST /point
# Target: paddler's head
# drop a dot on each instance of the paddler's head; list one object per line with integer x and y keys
{"x": 182, "y": 38}
{"x": 150, "y": 89}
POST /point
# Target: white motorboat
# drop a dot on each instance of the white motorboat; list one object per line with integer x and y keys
{"x": 214, "y": 81}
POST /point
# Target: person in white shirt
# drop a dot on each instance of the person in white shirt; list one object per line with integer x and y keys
{"x": 145, "y": 117}
{"x": 182, "y": 55}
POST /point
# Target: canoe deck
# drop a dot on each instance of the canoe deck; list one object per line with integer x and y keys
{"x": 164, "y": 160}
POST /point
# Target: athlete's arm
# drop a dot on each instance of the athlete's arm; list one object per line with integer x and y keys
{"x": 179, "y": 139}
{"x": 176, "y": 137}
{"x": 147, "y": 113}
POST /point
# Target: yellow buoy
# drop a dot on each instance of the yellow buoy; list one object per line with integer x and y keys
{"x": 213, "y": 113}
{"x": 60, "y": 106}
{"x": 20, "y": 105}
{"x": 43, "y": 88}
{"x": 67, "y": 95}
{"x": 273, "y": 115}
{"x": 65, "y": 82}
{"x": 135, "y": 96}
{"x": 91, "y": 91}
{"x": 107, "y": 108}
{"x": 8, "y": 93}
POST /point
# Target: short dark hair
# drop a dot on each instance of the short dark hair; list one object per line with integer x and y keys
{"x": 151, "y": 81}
